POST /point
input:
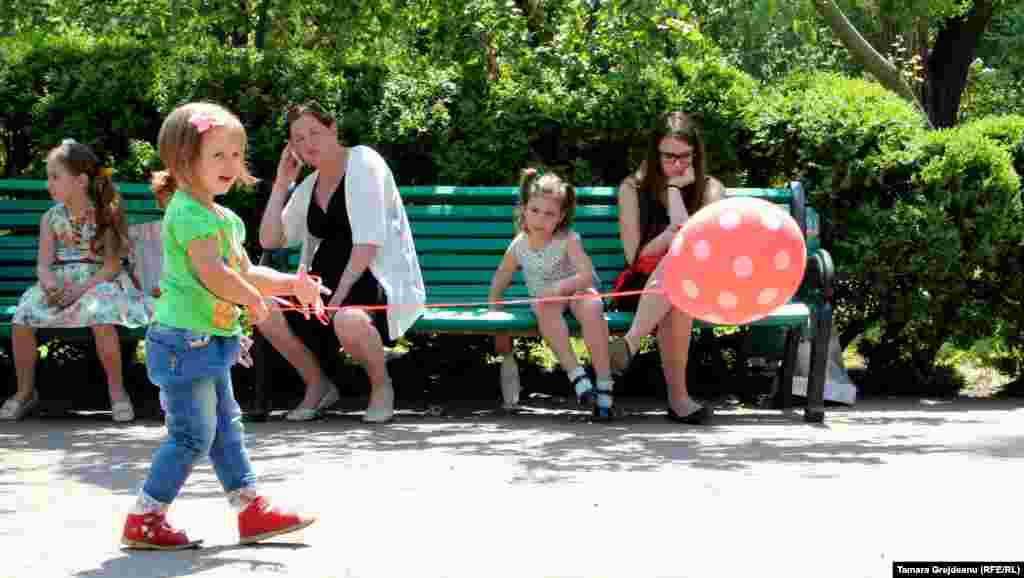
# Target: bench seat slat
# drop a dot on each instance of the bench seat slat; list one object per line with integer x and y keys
{"x": 522, "y": 320}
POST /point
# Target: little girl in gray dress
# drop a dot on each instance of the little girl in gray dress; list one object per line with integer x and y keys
{"x": 558, "y": 272}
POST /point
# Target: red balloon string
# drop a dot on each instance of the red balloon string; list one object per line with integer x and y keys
{"x": 286, "y": 305}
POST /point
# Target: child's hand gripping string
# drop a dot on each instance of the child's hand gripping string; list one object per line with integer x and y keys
{"x": 308, "y": 291}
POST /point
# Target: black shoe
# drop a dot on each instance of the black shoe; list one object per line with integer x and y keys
{"x": 700, "y": 417}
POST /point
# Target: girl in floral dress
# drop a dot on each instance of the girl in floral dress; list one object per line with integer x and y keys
{"x": 83, "y": 240}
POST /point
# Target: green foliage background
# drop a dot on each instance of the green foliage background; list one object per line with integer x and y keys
{"x": 925, "y": 226}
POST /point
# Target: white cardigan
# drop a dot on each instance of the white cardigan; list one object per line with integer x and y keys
{"x": 377, "y": 217}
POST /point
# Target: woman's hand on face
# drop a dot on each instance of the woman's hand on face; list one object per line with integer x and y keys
{"x": 289, "y": 166}
{"x": 682, "y": 180}
{"x": 677, "y": 213}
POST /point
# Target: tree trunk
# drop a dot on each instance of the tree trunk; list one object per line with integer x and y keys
{"x": 240, "y": 32}
{"x": 862, "y": 51}
{"x": 533, "y": 12}
{"x": 949, "y": 61}
{"x": 263, "y": 25}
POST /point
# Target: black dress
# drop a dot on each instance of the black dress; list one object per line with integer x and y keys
{"x": 331, "y": 258}
{"x": 635, "y": 280}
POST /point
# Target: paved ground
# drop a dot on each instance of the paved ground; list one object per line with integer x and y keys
{"x": 758, "y": 494}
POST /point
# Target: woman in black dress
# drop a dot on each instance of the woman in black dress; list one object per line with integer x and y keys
{"x": 670, "y": 185}
{"x": 354, "y": 232}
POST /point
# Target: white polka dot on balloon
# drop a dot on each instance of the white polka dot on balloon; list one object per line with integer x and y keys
{"x": 743, "y": 258}
{"x": 729, "y": 220}
{"x": 727, "y": 300}
{"x": 701, "y": 250}
{"x": 743, "y": 267}
{"x": 782, "y": 261}
{"x": 767, "y": 296}
{"x": 691, "y": 289}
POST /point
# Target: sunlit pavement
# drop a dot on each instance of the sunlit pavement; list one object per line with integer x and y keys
{"x": 480, "y": 494}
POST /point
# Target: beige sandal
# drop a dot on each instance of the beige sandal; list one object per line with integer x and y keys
{"x": 382, "y": 413}
{"x": 330, "y": 398}
{"x": 123, "y": 411}
{"x": 15, "y": 409}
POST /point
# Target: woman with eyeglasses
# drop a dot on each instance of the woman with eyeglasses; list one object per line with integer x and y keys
{"x": 654, "y": 203}
{"x": 354, "y": 232}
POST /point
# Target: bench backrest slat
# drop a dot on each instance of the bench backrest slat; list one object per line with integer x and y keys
{"x": 460, "y": 233}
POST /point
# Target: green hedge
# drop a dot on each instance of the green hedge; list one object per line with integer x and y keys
{"x": 97, "y": 91}
{"x": 925, "y": 226}
{"x": 922, "y": 223}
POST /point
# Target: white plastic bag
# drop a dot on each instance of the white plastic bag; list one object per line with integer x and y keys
{"x": 838, "y": 385}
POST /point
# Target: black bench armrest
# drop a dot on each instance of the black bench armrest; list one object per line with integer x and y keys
{"x": 820, "y": 275}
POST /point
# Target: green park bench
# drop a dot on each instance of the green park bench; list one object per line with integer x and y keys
{"x": 461, "y": 234}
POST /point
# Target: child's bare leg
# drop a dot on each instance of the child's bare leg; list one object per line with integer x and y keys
{"x": 590, "y": 313}
{"x": 510, "y": 387}
{"x": 26, "y": 349}
{"x": 108, "y": 349}
{"x": 556, "y": 333}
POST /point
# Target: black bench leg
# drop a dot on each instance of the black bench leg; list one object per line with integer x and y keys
{"x": 784, "y": 392}
{"x": 815, "y": 412}
{"x": 258, "y": 406}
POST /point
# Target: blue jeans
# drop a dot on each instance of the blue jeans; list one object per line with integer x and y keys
{"x": 193, "y": 372}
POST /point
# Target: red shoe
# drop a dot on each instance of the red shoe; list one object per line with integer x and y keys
{"x": 152, "y": 532}
{"x": 258, "y": 521}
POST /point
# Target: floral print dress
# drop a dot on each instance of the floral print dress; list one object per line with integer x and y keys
{"x": 115, "y": 302}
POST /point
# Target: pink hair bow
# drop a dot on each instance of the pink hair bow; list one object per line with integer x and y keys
{"x": 203, "y": 121}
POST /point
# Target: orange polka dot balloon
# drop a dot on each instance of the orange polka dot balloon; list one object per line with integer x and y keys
{"x": 735, "y": 261}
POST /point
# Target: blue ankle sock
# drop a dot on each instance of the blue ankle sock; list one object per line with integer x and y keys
{"x": 583, "y": 385}
{"x": 604, "y": 393}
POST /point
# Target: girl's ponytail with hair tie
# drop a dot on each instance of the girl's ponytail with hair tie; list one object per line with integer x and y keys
{"x": 163, "y": 185}
{"x": 105, "y": 172}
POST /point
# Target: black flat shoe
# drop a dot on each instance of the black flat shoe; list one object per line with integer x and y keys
{"x": 700, "y": 417}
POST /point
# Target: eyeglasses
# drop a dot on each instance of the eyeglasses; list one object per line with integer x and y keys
{"x": 669, "y": 157}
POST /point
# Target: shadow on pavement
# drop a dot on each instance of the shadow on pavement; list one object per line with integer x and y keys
{"x": 550, "y": 444}
{"x": 188, "y": 562}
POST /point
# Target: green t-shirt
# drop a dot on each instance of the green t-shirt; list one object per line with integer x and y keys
{"x": 184, "y": 301}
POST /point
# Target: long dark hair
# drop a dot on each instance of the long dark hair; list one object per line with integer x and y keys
{"x": 683, "y": 127}
{"x": 79, "y": 159}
